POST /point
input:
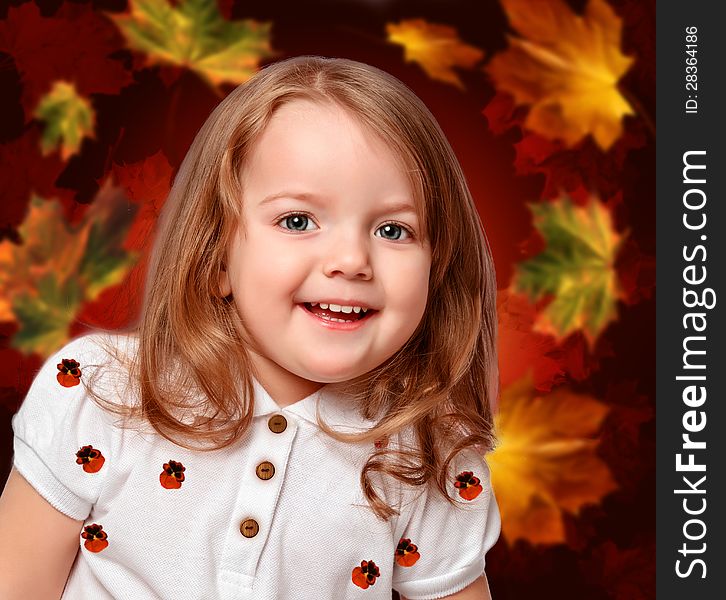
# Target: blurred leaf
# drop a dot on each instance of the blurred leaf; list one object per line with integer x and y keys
{"x": 193, "y": 34}
{"x": 437, "y": 48}
{"x": 45, "y": 316}
{"x": 68, "y": 119}
{"x": 105, "y": 262}
{"x": 567, "y": 67}
{"x": 48, "y": 246}
{"x": 546, "y": 461}
{"x": 583, "y": 166}
{"x": 45, "y": 279}
{"x": 146, "y": 183}
{"x": 550, "y": 363}
{"x": 72, "y": 42}
{"x": 577, "y": 266}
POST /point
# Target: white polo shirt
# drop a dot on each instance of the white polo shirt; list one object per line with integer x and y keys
{"x": 279, "y": 514}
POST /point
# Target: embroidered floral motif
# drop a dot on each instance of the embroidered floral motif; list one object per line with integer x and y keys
{"x": 172, "y": 476}
{"x": 366, "y": 574}
{"x": 96, "y": 538}
{"x": 407, "y": 553}
{"x": 69, "y": 374}
{"x": 91, "y": 459}
{"x": 468, "y": 485}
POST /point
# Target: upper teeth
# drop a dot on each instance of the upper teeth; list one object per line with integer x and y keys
{"x": 339, "y": 308}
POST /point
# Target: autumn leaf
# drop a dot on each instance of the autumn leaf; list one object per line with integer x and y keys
{"x": 546, "y": 460}
{"x": 146, "y": 183}
{"x": 45, "y": 315}
{"x": 56, "y": 268}
{"x": 437, "y": 48}
{"x": 566, "y": 67}
{"x": 68, "y": 119}
{"x": 550, "y": 363}
{"x": 47, "y": 246}
{"x": 502, "y": 114}
{"x": 193, "y": 34}
{"x": 72, "y": 42}
{"x": 585, "y": 166}
{"x": 577, "y": 267}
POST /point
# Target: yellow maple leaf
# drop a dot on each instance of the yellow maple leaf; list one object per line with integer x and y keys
{"x": 567, "y": 68}
{"x": 437, "y": 48}
{"x": 193, "y": 34}
{"x": 68, "y": 119}
{"x": 546, "y": 461}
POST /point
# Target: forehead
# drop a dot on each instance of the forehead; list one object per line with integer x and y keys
{"x": 323, "y": 141}
{"x": 306, "y": 131}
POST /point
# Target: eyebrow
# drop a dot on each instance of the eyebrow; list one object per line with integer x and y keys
{"x": 305, "y": 196}
{"x": 388, "y": 207}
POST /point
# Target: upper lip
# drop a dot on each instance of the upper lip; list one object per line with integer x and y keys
{"x": 341, "y": 302}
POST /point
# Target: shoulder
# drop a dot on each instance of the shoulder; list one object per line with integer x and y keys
{"x": 62, "y": 436}
{"x": 92, "y": 364}
{"x": 99, "y": 359}
{"x": 99, "y": 347}
{"x": 443, "y": 541}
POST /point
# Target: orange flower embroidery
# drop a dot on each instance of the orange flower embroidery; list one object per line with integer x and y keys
{"x": 69, "y": 374}
{"x": 91, "y": 459}
{"x": 407, "y": 553}
{"x": 366, "y": 574}
{"x": 468, "y": 485}
{"x": 96, "y": 538}
{"x": 172, "y": 476}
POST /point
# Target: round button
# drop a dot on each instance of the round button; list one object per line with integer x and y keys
{"x": 249, "y": 528}
{"x": 277, "y": 423}
{"x": 265, "y": 470}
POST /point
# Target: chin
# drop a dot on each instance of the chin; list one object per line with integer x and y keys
{"x": 333, "y": 373}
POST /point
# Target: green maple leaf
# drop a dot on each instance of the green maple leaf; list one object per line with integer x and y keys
{"x": 194, "y": 35}
{"x": 44, "y": 317}
{"x": 68, "y": 119}
{"x": 577, "y": 268}
{"x": 45, "y": 280}
{"x": 105, "y": 262}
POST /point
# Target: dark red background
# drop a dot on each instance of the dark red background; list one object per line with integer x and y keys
{"x": 610, "y": 549}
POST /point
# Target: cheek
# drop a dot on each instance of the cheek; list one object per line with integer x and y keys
{"x": 269, "y": 270}
{"x": 408, "y": 292}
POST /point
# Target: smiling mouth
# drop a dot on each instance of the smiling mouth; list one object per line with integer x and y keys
{"x": 337, "y": 316}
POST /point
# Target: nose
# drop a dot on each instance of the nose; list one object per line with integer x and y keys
{"x": 348, "y": 256}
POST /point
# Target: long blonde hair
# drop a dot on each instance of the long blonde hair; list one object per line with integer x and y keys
{"x": 441, "y": 383}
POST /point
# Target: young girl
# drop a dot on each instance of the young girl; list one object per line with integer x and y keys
{"x": 303, "y": 408}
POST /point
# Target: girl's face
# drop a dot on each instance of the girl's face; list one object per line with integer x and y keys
{"x": 329, "y": 224}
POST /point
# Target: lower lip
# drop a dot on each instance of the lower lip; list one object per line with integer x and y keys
{"x": 337, "y": 325}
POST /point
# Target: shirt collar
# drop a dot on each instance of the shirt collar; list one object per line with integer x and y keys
{"x": 337, "y": 410}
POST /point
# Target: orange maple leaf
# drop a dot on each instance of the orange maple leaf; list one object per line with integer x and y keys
{"x": 437, "y": 48}
{"x": 49, "y": 248}
{"x": 546, "y": 461}
{"x": 567, "y": 68}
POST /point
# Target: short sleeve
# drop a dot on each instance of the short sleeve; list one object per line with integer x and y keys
{"x": 442, "y": 547}
{"x": 62, "y": 438}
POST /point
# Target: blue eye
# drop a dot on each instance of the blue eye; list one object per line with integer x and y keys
{"x": 296, "y": 222}
{"x": 394, "y": 231}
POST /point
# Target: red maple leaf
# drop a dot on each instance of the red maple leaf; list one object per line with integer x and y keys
{"x": 74, "y": 45}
